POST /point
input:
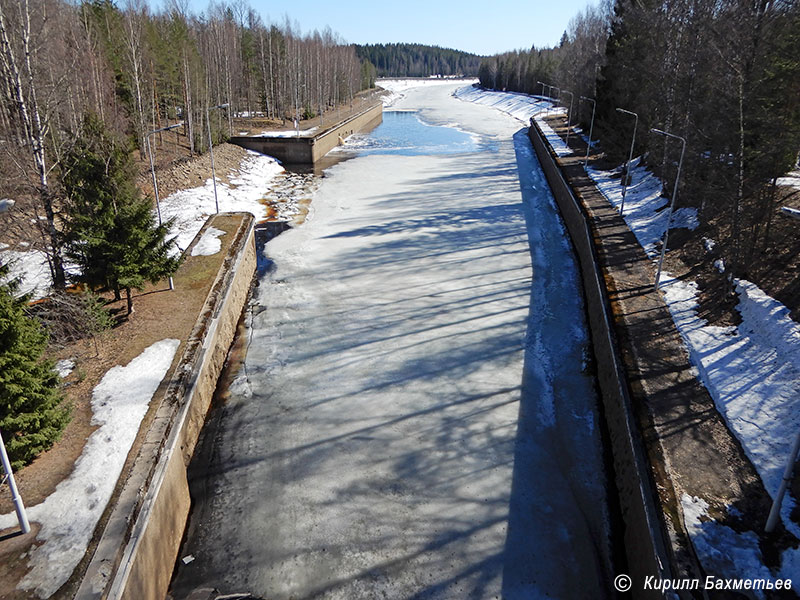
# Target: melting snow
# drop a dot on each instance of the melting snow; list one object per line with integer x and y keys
{"x": 70, "y": 514}
{"x": 209, "y": 243}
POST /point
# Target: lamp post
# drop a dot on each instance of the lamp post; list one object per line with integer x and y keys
{"x": 775, "y": 510}
{"x": 591, "y": 128}
{"x": 155, "y": 182}
{"x": 152, "y": 167}
{"x": 19, "y": 507}
{"x": 569, "y": 113}
{"x": 542, "y": 83}
{"x": 211, "y": 150}
{"x": 549, "y": 96}
{"x": 630, "y": 157}
{"x": 672, "y": 204}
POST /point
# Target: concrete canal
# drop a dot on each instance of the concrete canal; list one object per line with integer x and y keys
{"x": 414, "y": 415}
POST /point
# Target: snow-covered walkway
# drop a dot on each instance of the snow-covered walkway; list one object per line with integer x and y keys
{"x": 412, "y": 418}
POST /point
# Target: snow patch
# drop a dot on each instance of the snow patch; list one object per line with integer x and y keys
{"x": 209, "y": 243}
{"x": 191, "y": 208}
{"x": 69, "y": 515}
{"x": 31, "y": 269}
{"x": 646, "y": 210}
{"x": 64, "y": 367}
{"x": 723, "y": 551}
{"x": 791, "y": 179}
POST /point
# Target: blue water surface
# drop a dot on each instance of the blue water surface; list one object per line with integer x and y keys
{"x": 403, "y": 133}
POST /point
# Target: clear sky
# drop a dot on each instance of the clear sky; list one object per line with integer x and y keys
{"x": 482, "y": 27}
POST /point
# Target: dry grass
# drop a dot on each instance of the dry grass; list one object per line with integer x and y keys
{"x": 158, "y": 314}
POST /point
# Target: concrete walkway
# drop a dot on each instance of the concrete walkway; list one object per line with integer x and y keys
{"x": 691, "y": 451}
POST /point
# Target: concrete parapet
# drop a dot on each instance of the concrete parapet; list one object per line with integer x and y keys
{"x": 643, "y": 537}
{"x": 308, "y": 150}
{"x": 136, "y": 554}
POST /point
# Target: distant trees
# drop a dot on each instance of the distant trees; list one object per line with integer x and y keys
{"x": 572, "y": 65}
{"x": 418, "y": 60}
{"x": 32, "y": 415}
{"x": 110, "y": 231}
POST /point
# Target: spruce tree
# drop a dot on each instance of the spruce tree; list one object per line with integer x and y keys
{"x": 111, "y": 233}
{"x": 32, "y": 414}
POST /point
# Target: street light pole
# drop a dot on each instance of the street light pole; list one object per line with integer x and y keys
{"x": 569, "y": 113}
{"x": 19, "y": 507}
{"x": 550, "y": 98}
{"x": 591, "y": 128}
{"x": 542, "y": 84}
{"x": 155, "y": 182}
{"x": 211, "y": 150}
{"x": 672, "y": 204}
{"x": 152, "y": 167}
{"x": 630, "y": 157}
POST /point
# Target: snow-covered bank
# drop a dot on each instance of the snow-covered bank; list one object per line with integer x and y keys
{"x": 752, "y": 371}
{"x": 69, "y": 515}
{"x": 191, "y": 208}
{"x": 645, "y": 204}
{"x": 397, "y": 88}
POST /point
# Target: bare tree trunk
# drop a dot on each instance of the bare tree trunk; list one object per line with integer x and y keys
{"x": 133, "y": 41}
{"x": 739, "y": 199}
{"x": 188, "y": 108}
{"x": 24, "y": 99}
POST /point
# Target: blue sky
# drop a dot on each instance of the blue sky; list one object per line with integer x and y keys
{"x": 483, "y": 27}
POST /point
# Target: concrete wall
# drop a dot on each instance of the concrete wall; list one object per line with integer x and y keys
{"x": 150, "y": 531}
{"x": 363, "y": 121}
{"x": 308, "y": 150}
{"x": 643, "y": 537}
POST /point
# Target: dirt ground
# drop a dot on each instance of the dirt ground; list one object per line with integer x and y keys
{"x": 158, "y": 314}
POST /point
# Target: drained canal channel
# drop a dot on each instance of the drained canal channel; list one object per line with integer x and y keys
{"x": 414, "y": 413}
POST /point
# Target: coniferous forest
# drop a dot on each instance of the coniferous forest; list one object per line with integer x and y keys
{"x": 418, "y": 60}
{"x": 723, "y": 75}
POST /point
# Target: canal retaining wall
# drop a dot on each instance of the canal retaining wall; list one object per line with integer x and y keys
{"x": 643, "y": 537}
{"x": 308, "y": 150}
{"x": 136, "y": 555}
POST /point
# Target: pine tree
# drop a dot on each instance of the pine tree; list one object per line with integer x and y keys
{"x": 32, "y": 414}
{"x": 111, "y": 234}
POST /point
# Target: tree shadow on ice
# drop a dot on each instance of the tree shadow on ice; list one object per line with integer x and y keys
{"x": 386, "y": 446}
{"x": 558, "y": 490}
